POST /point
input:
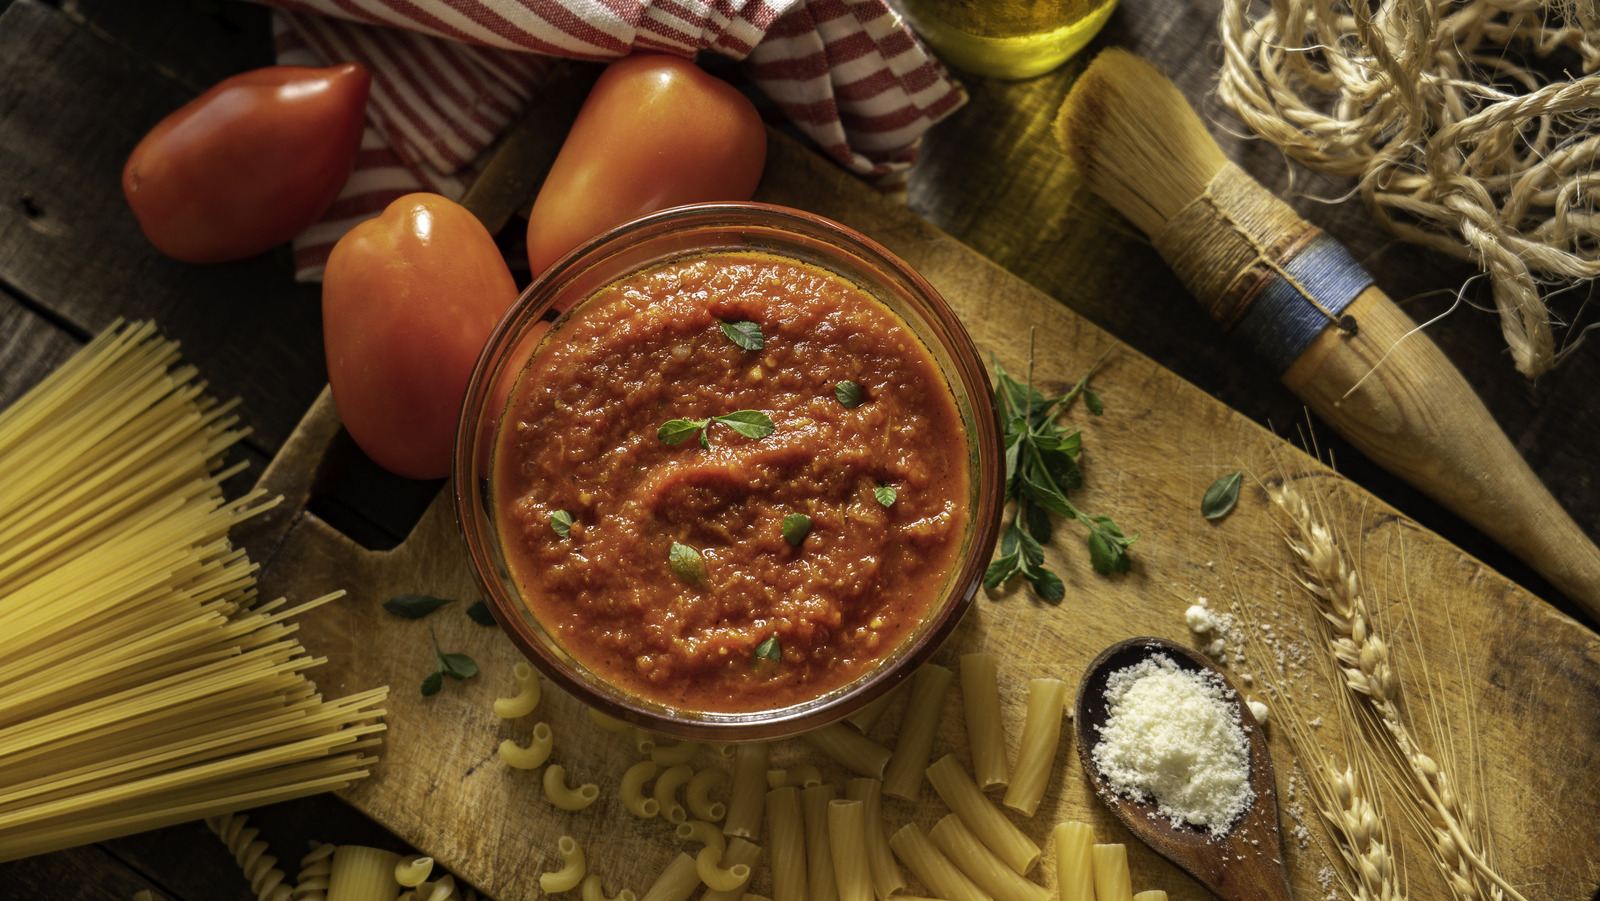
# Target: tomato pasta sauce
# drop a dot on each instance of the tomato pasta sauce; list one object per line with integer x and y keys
{"x": 592, "y": 501}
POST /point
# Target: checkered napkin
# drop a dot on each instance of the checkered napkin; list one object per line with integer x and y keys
{"x": 449, "y": 75}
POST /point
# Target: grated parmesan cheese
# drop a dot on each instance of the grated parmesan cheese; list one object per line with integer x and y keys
{"x": 1174, "y": 736}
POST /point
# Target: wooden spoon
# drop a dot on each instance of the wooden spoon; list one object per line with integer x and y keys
{"x": 1247, "y": 861}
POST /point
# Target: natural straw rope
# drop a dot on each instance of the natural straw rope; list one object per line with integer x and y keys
{"x": 1226, "y": 241}
{"x": 1457, "y": 146}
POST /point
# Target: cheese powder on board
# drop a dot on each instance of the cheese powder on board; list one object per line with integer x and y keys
{"x": 1175, "y": 736}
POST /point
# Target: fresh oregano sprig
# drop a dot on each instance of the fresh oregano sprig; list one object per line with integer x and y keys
{"x": 456, "y": 666}
{"x": 749, "y": 423}
{"x": 1041, "y": 467}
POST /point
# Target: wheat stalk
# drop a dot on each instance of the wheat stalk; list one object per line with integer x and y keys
{"x": 1364, "y": 661}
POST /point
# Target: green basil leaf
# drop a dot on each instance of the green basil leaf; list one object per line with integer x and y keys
{"x": 432, "y": 684}
{"x": 768, "y": 650}
{"x": 1047, "y": 585}
{"x": 413, "y": 606}
{"x": 1093, "y": 401}
{"x": 796, "y": 526}
{"x": 687, "y": 564}
{"x": 1009, "y": 538}
{"x": 1000, "y": 570}
{"x": 1032, "y": 551}
{"x": 1039, "y": 525}
{"x": 885, "y": 494}
{"x": 459, "y": 666}
{"x": 749, "y": 423}
{"x": 677, "y": 431}
{"x": 479, "y": 613}
{"x": 745, "y": 333}
{"x": 561, "y": 521}
{"x": 1221, "y": 496}
{"x": 849, "y": 394}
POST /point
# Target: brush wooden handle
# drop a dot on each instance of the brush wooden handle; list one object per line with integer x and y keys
{"x": 1392, "y": 393}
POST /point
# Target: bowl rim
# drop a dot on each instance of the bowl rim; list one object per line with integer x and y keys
{"x": 970, "y": 379}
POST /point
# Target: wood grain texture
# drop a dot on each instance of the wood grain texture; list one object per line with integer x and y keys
{"x": 70, "y": 245}
{"x": 992, "y": 177}
{"x": 1525, "y": 676}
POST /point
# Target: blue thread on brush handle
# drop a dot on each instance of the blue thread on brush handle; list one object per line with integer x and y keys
{"x": 1280, "y": 324}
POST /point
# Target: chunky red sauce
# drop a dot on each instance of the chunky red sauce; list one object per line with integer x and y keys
{"x": 581, "y": 437}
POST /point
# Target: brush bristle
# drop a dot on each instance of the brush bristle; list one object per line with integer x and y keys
{"x": 1135, "y": 140}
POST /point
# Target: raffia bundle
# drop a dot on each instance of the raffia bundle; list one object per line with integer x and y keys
{"x": 1457, "y": 146}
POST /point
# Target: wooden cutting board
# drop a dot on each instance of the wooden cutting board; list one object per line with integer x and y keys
{"x": 1512, "y": 686}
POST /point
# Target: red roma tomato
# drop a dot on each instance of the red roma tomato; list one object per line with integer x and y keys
{"x": 408, "y": 300}
{"x": 248, "y": 164}
{"x": 655, "y": 132}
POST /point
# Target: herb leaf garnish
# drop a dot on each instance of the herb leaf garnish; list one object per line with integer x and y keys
{"x": 479, "y": 613}
{"x": 687, "y": 564}
{"x": 413, "y": 606}
{"x": 796, "y": 526}
{"x": 849, "y": 394}
{"x": 1041, "y": 467}
{"x": 1221, "y": 496}
{"x": 749, "y": 423}
{"x": 561, "y": 523}
{"x": 456, "y": 666}
{"x": 745, "y": 333}
{"x": 885, "y": 494}
{"x": 767, "y": 650}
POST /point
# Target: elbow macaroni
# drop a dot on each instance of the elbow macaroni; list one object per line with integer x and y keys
{"x": 534, "y": 755}
{"x": 526, "y": 698}
{"x": 666, "y": 792}
{"x": 633, "y": 796}
{"x": 555, "y": 788}
{"x": 572, "y": 867}
{"x": 697, "y": 795}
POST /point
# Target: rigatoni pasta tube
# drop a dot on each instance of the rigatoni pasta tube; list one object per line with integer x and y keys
{"x": 962, "y": 796}
{"x": 1041, "y": 735}
{"x": 674, "y": 755}
{"x": 1074, "y": 861}
{"x": 847, "y": 837}
{"x": 1111, "y": 882}
{"x": 864, "y": 719}
{"x": 850, "y": 748}
{"x": 819, "y": 852}
{"x": 903, "y": 777}
{"x": 786, "y": 842}
{"x": 739, "y": 852}
{"x": 886, "y": 877}
{"x": 362, "y": 874}
{"x": 986, "y": 734}
{"x": 936, "y": 872}
{"x": 749, "y": 791}
{"x": 1153, "y": 894}
{"x": 571, "y": 871}
{"x": 676, "y": 882}
{"x": 980, "y": 865}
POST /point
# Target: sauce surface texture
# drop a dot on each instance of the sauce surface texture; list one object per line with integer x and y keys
{"x": 580, "y": 437}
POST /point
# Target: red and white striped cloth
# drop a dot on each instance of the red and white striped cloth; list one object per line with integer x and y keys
{"x": 449, "y": 75}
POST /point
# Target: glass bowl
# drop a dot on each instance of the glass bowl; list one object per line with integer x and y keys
{"x": 693, "y": 231}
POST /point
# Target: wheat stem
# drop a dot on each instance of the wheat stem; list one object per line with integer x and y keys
{"x": 1365, "y": 663}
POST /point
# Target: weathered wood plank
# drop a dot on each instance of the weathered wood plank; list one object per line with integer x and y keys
{"x": 992, "y": 177}
{"x": 73, "y": 102}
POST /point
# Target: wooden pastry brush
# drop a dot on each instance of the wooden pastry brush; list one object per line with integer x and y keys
{"x": 1296, "y": 296}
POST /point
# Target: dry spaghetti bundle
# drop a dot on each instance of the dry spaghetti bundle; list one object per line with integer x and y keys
{"x": 1458, "y": 145}
{"x": 144, "y": 686}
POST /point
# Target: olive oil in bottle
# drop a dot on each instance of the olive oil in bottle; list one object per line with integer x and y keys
{"x": 1006, "y": 38}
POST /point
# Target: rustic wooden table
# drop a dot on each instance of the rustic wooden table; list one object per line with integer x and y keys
{"x": 82, "y": 80}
